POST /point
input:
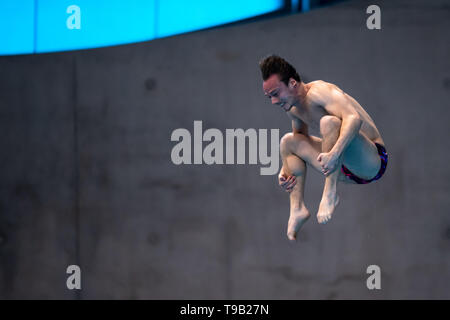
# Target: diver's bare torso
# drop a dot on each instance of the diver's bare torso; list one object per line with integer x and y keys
{"x": 311, "y": 111}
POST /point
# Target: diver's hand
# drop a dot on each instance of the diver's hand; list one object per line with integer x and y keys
{"x": 328, "y": 161}
{"x": 286, "y": 182}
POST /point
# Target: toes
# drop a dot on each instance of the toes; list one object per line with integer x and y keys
{"x": 324, "y": 219}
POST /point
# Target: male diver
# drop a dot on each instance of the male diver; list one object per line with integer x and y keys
{"x": 350, "y": 150}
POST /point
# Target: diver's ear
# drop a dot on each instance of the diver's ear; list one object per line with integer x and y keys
{"x": 292, "y": 83}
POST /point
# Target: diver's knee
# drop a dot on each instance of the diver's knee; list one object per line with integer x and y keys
{"x": 328, "y": 123}
{"x": 291, "y": 141}
{"x": 286, "y": 139}
{"x": 286, "y": 142}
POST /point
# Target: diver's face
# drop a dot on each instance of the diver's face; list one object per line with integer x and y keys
{"x": 278, "y": 93}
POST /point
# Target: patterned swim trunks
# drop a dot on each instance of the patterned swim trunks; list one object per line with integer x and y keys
{"x": 384, "y": 160}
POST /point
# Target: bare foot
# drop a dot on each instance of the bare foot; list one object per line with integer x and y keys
{"x": 326, "y": 208}
{"x": 297, "y": 218}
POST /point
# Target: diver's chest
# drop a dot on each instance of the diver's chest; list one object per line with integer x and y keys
{"x": 310, "y": 115}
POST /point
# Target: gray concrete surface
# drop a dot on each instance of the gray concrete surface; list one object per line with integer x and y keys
{"x": 87, "y": 179}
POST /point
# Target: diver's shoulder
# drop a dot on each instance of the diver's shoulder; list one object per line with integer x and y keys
{"x": 316, "y": 83}
{"x": 319, "y": 86}
{"x": 316, "y": 89}
{"x": 319, "y": 83}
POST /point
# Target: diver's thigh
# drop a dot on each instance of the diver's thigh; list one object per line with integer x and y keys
{"x": 308, "y": 148}
{"x": 361, "y": 157}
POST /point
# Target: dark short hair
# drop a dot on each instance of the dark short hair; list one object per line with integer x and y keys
{"x": 274, "y": 64}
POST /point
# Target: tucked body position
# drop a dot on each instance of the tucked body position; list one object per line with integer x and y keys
{"x": 350, "y": 149}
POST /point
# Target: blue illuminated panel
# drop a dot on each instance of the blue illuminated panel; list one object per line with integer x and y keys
{"x": 176, "y": 17}
{"x": 28, "y": 26}
{"x": 103, "y": 23}
{"x": 16, "y": 27}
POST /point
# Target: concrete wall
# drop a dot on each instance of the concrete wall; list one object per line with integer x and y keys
{"x": 87, "y": 176}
